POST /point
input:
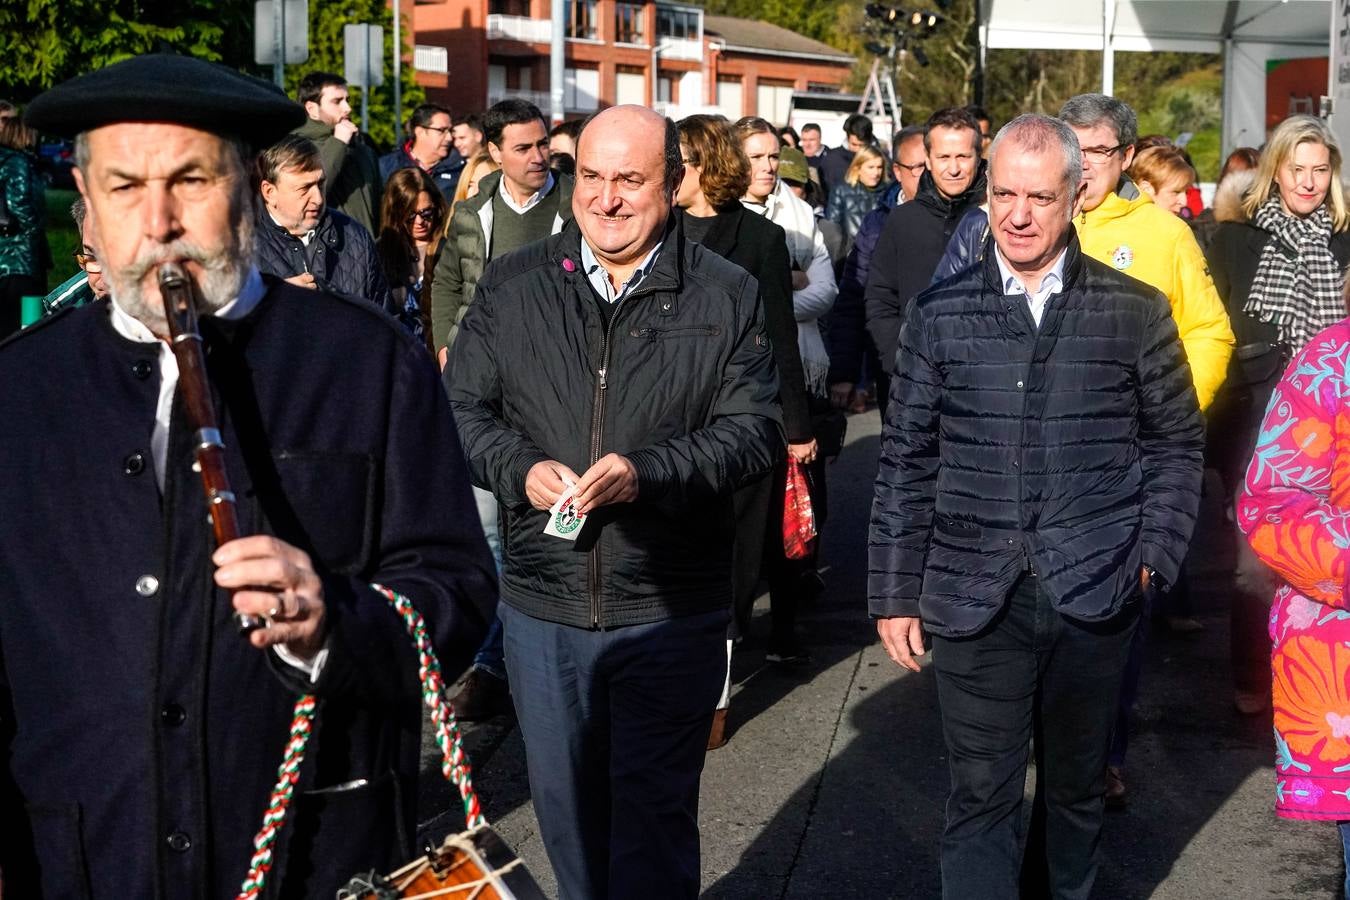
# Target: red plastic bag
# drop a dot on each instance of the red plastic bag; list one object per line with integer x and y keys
{"x": 799, "y": 519}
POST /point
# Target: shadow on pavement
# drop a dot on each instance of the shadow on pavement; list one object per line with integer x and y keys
{"x": 874, "y": 812}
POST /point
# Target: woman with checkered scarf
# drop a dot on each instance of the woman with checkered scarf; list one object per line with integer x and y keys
{"x": 1281, "y": 274}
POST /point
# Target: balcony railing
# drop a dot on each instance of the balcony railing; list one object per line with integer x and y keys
{"x": 540, "y": 99}
{"x": 680, "y": 48}
{"x": 519, "y": 28}
{"x": 435, "y": 60}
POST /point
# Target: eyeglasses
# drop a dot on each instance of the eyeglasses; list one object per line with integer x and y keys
{"x": 913, "y": 168}
{"x": 446, "y": 130}
{"x": 87, "y": 262}
{"x": 1102, "y": 154}
{"x": 426, "y": 215}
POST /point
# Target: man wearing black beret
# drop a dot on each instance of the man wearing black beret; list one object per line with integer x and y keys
{"x": 141, "y": 732}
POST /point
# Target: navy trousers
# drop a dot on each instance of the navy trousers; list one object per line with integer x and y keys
{"x": 615, "y": 725}
{"x": 1032, "y": 672}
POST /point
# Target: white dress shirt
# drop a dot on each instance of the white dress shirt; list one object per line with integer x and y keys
{"x": 134, "y": 329}
{"x": 531, "y": 202}
{"x": 1051, "y": 283}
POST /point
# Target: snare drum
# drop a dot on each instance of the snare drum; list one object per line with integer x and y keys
{"x": 472, "y": 865}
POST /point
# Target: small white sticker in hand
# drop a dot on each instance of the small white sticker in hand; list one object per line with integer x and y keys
{"x": 563, "y": 520}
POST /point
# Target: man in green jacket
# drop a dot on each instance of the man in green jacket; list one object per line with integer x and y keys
{"x": 350, "y": 163}
{"x": 524, "y": 202}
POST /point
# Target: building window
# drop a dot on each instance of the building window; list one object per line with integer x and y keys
{"x": 581, "y": 20}
{"x": 665, "y": 88}
{"x": 774, "y": 102}
{"x": 628, "y": 23}
{"x": 680, "y": 24}
{"x": 630, "y": 86}
{"x": 581, "y": 89}
{"x": 729, "y": 98}
{"x": 509, "y": 8}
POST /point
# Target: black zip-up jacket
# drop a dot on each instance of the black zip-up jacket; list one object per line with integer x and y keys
{"x": 912, "y": 242}
{"x": 341, "y": 256}
{"x": 681, "y": 381}
{"x": 1074, "y": 448}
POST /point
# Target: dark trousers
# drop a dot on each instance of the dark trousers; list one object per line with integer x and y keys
{"x": 1031, "y": 673}
{"x": 616, "y": 724}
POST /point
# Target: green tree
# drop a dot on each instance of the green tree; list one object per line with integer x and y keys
{"x": 44, "y": 42}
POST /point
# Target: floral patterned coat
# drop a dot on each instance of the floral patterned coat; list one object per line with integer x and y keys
{"x": 1295, "y": 512}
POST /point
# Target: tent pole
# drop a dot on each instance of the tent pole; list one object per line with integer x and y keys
{"x": 1108, "y": 47}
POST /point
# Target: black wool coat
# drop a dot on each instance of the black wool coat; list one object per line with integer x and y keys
{"x": 680, "y": 381}
{"x": 760, "y": 247}
{"x": 341, "y": 256}
{"x": 1075, "y": 448}
{"x": 912, "y": 242}
{"x": 142, "y": 733}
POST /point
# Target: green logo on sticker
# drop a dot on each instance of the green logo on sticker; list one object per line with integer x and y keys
{"x": 566, "y": 521}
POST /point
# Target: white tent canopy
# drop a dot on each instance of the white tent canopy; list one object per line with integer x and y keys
{"x": 1248, "y": 33}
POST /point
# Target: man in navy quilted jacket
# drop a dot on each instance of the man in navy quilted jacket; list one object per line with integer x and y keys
{"x": 1040, "y": 470}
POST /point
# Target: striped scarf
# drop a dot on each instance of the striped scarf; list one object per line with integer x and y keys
{"x": 1298, "y": 281}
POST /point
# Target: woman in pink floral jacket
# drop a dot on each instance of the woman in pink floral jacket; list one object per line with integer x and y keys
{"x": 1296, "y": 514}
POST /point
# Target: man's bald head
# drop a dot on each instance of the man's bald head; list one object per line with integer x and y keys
{"x": 636, "y": 123}
{"x": 626, "y": 178}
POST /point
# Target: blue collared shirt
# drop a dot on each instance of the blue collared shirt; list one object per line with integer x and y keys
{"x": 599, "y": 278}
{"x": 1051, "y": 283}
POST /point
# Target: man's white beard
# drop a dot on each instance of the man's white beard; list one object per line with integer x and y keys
{"x": 223, "y": 274}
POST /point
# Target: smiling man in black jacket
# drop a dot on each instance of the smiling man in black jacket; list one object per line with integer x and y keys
{"x": 1040, "y": 468}
{"x": 620, "y": 365}
{"x": 916, "y": 233}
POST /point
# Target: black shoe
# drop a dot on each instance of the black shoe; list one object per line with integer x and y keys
{"x": 482, "y": 696}
{"x": 787, "y": 652}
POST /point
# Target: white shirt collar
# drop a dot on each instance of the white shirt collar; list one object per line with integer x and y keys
{"x": 599, "y": 277}
{"x": 250, "y": 295}
{"x": 1051, "y": 283}
{"x": 529, "y": 204}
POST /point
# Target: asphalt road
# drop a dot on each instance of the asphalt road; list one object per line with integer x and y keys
{"x": 834, "y": 780}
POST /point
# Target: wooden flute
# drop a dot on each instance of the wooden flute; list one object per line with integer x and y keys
{"x": 209, "y": 452}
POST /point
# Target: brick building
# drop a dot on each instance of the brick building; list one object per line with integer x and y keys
{"x": 471, "y": 53}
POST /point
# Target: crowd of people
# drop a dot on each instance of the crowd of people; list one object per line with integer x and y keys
{"x": 555, "y": 385}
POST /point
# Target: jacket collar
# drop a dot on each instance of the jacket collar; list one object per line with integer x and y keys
{"x": 929, "y": 195}
{"x": 667, "y": 270}
{"x": 721, "y": 235}
{"x": 1073, "y": 264}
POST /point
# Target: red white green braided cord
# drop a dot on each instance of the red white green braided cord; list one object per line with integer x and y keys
{"x": 454, "y": 762}
{"x": 301, "y": 727}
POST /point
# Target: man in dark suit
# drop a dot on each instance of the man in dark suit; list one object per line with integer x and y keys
{"x": 141, "y": 732}
{"x": 1040, "y": 469}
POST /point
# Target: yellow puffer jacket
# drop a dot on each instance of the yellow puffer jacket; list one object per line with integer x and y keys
{"x": 1148, "y": 243}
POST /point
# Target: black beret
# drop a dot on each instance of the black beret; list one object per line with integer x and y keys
{"x": 163, "y": 87}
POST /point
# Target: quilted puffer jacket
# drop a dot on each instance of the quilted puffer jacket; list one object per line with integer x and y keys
{"x": 681, "y": 381}
{"x": 1073, "y": 449}
{"x": 341, "y": 256}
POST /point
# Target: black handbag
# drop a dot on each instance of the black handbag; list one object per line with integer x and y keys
{"x": 1259, "y": 363}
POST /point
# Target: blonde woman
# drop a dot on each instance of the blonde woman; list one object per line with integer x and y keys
{"x": 863, "y": 185}
{"x": 1280, "y": 271}
{"x": 474, "y": 170}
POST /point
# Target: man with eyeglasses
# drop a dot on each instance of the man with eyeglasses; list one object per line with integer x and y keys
{"x": 86, "y": 285}
{"x": 301, "y": 240}
{"x": 1120, "y": 226}
{"x": 429, "y": 147}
